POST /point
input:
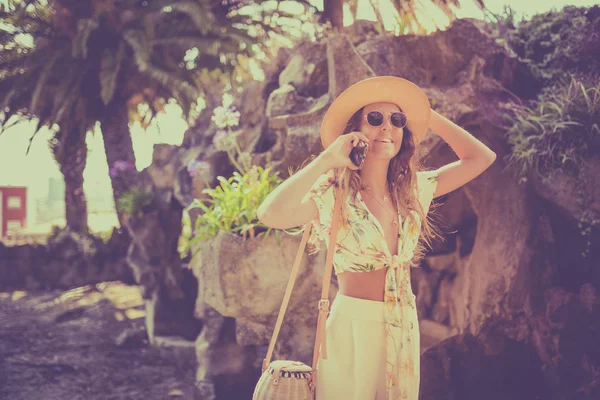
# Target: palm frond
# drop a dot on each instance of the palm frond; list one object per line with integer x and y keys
{"x": 183, "y": 101}
{"x": 406, "y": 11}
{"x": 47, "y": 70}
{"x": 168, "y": 80}
{"x": 65, "y": 97}
{"x": 36, "y": 130}
{"x": 204, "y": 45}
{"x": 240, "y": 35}
{"x": 80, "y": 43}
{"x": 199, "y": 15}
{"x": 141, "y": 51}
{"x": 16, "y": 60}
{"x": 15, "y": 92}
{"x": 24, "y": 23}
{"x": 6, "y": 36}
{"x": 153, "y": 41}
{"x": 7, "y": 121}
{"x": 109, "y": 72}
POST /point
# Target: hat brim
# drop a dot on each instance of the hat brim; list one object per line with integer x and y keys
{"x": 389, "y": 89}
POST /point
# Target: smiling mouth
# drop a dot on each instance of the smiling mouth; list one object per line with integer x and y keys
{"x": 384, "y": 141}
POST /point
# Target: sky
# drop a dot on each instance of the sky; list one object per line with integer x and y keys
{"x": 35, "y": 170}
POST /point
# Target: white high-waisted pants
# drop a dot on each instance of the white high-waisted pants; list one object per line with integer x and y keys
{"x": 355, "y": 365}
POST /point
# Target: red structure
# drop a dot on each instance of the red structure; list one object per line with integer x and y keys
{"x": 13, "y": 209}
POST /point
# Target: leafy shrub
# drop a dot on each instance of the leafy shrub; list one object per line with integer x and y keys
{"x": 558, "y": 132}
{"x": 134, "y": 200}
{"x": 559, "y": 42}
{"x": 233, "y": 203}
{"x": 560, "y": 129}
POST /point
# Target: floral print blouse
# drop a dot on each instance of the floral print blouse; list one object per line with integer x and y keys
{"x": 361, "y": 247}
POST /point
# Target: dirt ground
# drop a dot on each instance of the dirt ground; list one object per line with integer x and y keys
{"x": 63, "y": 345}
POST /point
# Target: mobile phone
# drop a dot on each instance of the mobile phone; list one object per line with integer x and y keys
{"x": 359, "y": 153}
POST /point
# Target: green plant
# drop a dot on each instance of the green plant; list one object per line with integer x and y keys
{"x": 557, "y": 43}
{"x": 186, "y": 234}
{"x": 233, "y": 203}
{"x": 134, "y": 200}
{"x": 560, "y": 129}
{"x": 558, "y": 133}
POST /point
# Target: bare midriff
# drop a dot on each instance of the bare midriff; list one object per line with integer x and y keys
{"x": 363, "y": 285}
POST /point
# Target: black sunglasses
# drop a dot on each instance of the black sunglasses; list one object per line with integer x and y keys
{"x": 398, "y": 119}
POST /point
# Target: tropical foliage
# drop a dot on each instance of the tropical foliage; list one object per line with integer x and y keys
{"x": 94, "y": 53}
{"x": 558, "y": 131}
{"x": 559, "y": 43}
{"x": 70, "y": 64}
{"x": 232, "y": 205}
{"x": 92, "y": 61}
{"x": 134, "y": 201}
{"x": 409, "y": 15}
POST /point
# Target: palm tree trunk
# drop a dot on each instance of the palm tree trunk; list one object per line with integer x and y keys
{"x": 70, "y": 152}
{"x": 119, "y": 148}
{"x": 334, "y": 13}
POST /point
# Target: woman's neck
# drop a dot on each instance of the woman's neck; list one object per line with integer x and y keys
{"x": 374, "y": 176}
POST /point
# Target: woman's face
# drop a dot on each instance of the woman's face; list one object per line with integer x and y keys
{"x": 379, "y": 136}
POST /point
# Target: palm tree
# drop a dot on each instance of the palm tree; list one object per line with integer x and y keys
{"x": 98, "y": 60}
{"x": 405, "y": 11}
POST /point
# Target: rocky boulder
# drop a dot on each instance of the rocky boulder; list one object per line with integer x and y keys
{"x": 246, "y": 280}
{"x": 167, "y": 285}
{"x": 68, "y": 260}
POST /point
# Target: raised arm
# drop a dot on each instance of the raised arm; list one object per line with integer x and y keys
{"x": 287, "y": 206}
{"x": 475, "y": 157}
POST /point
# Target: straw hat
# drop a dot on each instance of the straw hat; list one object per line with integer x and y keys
{"x": 390, "y": 89}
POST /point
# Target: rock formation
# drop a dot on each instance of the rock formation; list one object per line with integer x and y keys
{"x": 489, "y": 295}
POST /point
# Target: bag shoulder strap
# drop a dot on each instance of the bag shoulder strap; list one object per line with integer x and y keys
{"x": 324, "y": 302}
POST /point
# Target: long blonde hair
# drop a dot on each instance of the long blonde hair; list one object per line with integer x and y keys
{"x": 401, "y": 181}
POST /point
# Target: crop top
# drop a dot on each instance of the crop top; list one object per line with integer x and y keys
{"x": 361, "y": 247}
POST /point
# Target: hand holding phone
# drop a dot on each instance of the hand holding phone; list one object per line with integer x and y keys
{"x": 347, "y": 151}
{"x": 359, "y": 153}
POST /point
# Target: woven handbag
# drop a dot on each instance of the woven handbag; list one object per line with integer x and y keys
{"x": 294, "y": 380}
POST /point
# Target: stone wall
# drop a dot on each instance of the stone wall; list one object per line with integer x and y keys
{"x": 68, "y": 260}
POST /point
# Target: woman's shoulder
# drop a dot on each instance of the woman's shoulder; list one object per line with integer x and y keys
{"x": 426, "y": 174}
{"x": 326, "y": 180}
{"x": 426, "y": 178}
{"x": 324, "y": 184}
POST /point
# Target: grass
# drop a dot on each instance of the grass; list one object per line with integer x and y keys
{"x": 556, "y": 132}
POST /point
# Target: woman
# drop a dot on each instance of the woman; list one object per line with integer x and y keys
{"x": 372, "y": 335}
